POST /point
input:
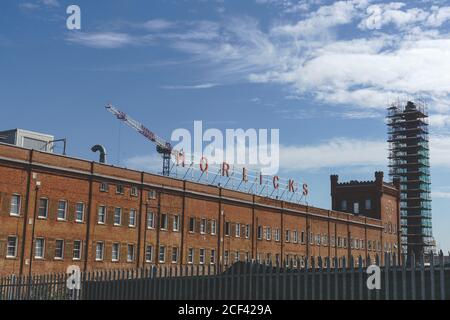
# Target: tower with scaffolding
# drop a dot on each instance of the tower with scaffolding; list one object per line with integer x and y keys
{"x": 409, "y": 162}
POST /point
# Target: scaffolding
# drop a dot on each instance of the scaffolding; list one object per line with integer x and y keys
{"x": 409, "y": 162}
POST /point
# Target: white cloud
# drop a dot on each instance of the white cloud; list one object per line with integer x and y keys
{"x": 440, "y": 195}
{"x": 157, "y": 24}
{"x": 50, "y": 3}
{"x": 106, "y": 40}
{"x": 339, "y": 152}
{"x": 151, "y": 163}
{"x": 191, "y": 87}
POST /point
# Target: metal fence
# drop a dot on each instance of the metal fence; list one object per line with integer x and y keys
{"x": 406, "y": 278}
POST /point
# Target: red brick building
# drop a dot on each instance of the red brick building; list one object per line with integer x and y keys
{"x": 57, "y": 211}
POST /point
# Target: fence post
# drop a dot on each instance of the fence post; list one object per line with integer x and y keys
{"x": 394, "y": 277}
{"x": 352, "y": 278}
{"x": 336, "y": 276}
{"x": 404, "y": 296}
{"x": 344, "y": 278}
{"x": 433, "y": 293}
{"x": 413, "y": 276}
{"x": 441, "y": 274}
{"x": 387, "y": 262}
{"x": 422, "y": 276}
{"x": 313, "y": 278}
{"x": 360, "y": 277}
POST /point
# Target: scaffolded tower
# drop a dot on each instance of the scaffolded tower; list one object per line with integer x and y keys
{"x": 409, "y": 161}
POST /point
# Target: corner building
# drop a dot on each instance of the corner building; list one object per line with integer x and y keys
{"x": 57, "y": 211}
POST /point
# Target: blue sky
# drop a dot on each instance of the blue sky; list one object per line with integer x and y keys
{"x": 320, "y": 71}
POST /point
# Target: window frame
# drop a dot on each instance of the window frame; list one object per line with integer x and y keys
{"x": 19, "y": 205}
{"x": 80, "y": 250}
{"x": 151, "y": 253}
{"x": 104, "y": 214}
{"x": 133, "y": 252}
{"x": 40, "y": 257}
{"x": 133, "y": 213}
{"x": 117, "y": 209}
{"x": 117, "y": 259}
{"x": 176, "y": 223}
{"x": 164, "y": 254}
{"x": 102, "y": 243}
{"x": 46, "y": 208}
{"x": 175, "y": 250}
{"x": 82, "y": 213}
{"x": 58, "y": 210}
{"x": 62, "y": 249}
{"x": 16, "y": 243}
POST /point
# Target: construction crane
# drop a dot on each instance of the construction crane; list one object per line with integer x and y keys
{"x": 163, "y": 147}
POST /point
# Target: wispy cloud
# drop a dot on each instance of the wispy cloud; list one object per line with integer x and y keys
{"x": 107, "y": 40}
{"x": 191, "y": 87}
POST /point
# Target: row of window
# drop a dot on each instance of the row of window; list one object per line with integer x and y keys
{"x": 356, "y": 209}
{"x": 40, "y": 247}
{"x": 59, "y": 251}
{"x": 120, "y": 189}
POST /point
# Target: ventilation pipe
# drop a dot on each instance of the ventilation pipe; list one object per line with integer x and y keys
{"x": 102, "y": 150}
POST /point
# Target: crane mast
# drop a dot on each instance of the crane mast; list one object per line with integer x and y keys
{"x": 163, "y": 147}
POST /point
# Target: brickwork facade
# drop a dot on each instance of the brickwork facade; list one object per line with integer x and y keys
{"x": 58, "y": 211}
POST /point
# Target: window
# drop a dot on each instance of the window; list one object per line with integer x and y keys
{"x": 191, "y": 224}
{"x": 120, "y": 189}
{"x": 99, "y": 251}
{"x": 238, "y": 230}
{"x": 104, "y": 187}
{"x": 302, "y": 237}
{"x": 227, "y": 228}
{"x": 62, "y": 210}
{"x": 287, "y": 236}
{"x": 202, "y": 256}
{"x": 101, "y": 215}
{"x": 164, "y": 221}
{"x": 344, "y": 205}
{"x": 39, "y": 248}
{"x": 76, "y": 254}
{"x": 213, "y": 227}
{"x": 162, "y": 254}
{"x": 174, "y": 255}
{"x": 356, "y": 207}
{"x": 237, "y": 257}
{"x": 226, "y": 257}
{"x": 149, "y": 253}
{"x": 268, "y": 233}
{"x": 176, "y": 223}
{"x": 150, "y": 220}
{"x": 212, "y": 259}
{"x": 311, "y": 238}
{"x": 11, "y": 249}
{"x": 247, "y": 256}
{"x": 277, "y": 235}
{"x": 295, "y": 236}
{"x": 79, "y": 212}
{"x": 134, "y": 191}
{"x": 115, "y": 252}
{"x": 59, "y": 249}
{"x": 117, "y": 216}
{"x": 152, "y": 194}
{"x": 191, "y": 255}
{"x": 15, "y": 205}
{"x": 247, "y": 231}
{"x": 130, "y": 253}
{"x": 43, "y": 208}
{"x": 132, "y": 218}
{"x": 368, "y": 204}
{"x": 203, "y": 226}
{"x": 259, "y": 233}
